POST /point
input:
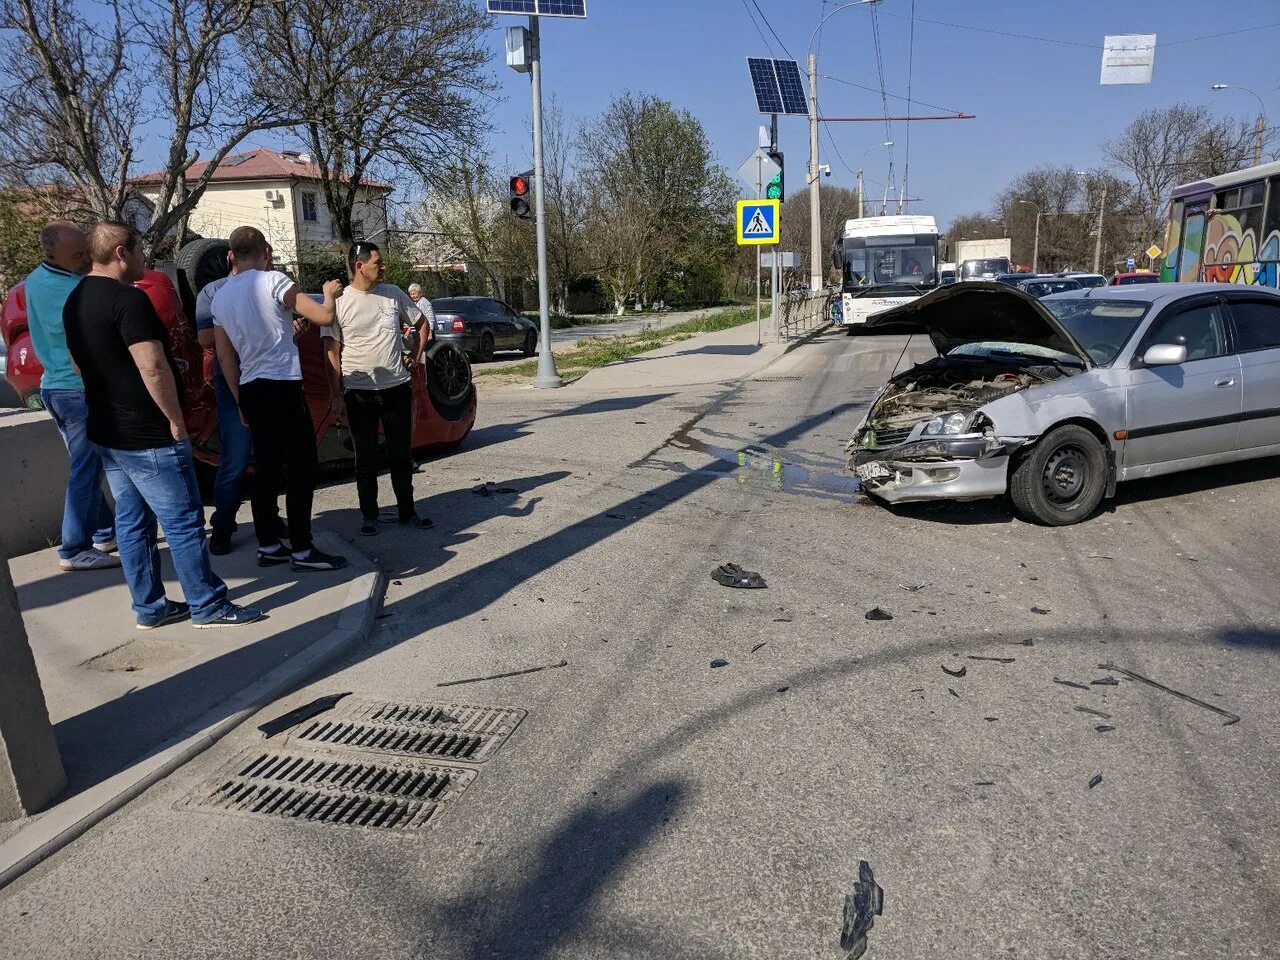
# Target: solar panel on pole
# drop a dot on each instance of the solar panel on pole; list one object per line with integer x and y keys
{"x": 764, "y": 79}
{"x": 791, "y": 87}
{"x": 539, "y": 8}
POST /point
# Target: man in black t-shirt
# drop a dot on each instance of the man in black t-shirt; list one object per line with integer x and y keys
{"x": 121, "y": 348}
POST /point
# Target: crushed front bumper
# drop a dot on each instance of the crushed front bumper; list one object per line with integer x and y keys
{"x": 968, "y": 467}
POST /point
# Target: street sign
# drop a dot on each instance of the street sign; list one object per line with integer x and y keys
{"x": 787, "y": 261}
{"x": 1128, "y": 57}
{"x": 1130, "y": 264}
{"x": 761, "y": 165}
{"x": 757, "y": 222}
{"x": 1153, "y": 251}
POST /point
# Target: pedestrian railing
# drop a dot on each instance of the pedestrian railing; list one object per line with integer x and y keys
{"x": 804, "y": 311}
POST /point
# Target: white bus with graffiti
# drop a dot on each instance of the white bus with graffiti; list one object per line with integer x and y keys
{"x": 1226, "y": 229}
{"x": 884, "y": 262}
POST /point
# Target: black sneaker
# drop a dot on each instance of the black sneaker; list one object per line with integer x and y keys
{"x": 270, "y": 558}
{"x": 233, "y": 616}
{"x": 174, "y": 610}
{"x": 220, "y": 543}
{"x": 416, "y": 522}
{"x": 369, "y": 528}
{"x": 318, "y": 560}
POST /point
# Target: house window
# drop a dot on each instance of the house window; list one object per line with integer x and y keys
{"x": 309, "y": 211}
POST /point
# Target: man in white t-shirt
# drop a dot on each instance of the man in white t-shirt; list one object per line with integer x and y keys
{"x": 369, "y": 381}
{"x": 254, "y": 333}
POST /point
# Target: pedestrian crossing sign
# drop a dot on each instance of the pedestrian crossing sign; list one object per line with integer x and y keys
{"x": 757, "y": 221}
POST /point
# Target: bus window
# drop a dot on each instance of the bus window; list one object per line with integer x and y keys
{"x": 1172, "y": 238}
{"x": 1192, "y": 245}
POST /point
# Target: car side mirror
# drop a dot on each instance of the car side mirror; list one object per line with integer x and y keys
{"x": 1164, "y": 354}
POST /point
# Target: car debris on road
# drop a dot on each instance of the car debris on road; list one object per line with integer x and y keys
{"x": 860, "y": 911}
{"x": 732, "y": 575}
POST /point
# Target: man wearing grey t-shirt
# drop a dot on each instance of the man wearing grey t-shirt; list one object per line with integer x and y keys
{"x": 369, "y": 382}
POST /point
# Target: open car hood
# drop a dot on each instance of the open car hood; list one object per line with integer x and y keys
{"x": 978, "y": 310}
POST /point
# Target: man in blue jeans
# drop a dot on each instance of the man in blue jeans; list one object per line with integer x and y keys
{"x": 131, "y": 387}
{"x": 88, "y": 529}
{"x": 234, "y": 442}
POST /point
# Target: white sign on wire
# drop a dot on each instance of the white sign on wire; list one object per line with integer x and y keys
{"x": 1128, "y": 57}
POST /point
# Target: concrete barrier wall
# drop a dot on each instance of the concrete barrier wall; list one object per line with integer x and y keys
{"x": 33, "y": 481}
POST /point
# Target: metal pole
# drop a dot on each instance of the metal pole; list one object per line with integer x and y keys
{"x": 1259, "y": 131}
{"x": 547, "y": 376}
{"x": 859, "y": 194}
{"x": 815, "y": 202}
{"x": 759, "y": 194}
{"x": 1035, "y": 247}
{"x": 773, "y": 277}
{"x": 1097, "y": 246}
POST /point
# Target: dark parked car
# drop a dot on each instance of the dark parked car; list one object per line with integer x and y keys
{"x": 483, "y": 325}
{"x": 1043, "y": 286}
{"x": 1013, "y": 279}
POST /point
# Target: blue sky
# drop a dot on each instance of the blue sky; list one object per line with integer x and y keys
{"x": 1035, "y": 102}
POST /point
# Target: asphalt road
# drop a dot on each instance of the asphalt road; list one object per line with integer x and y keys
{"x": 652, "y": 806}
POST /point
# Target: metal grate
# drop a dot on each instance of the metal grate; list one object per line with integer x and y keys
{"x": 891, "y": 438}
{"x": 331, "y": 789}
{"x": 446, "y": 731}
{"x": 777, "y": 379}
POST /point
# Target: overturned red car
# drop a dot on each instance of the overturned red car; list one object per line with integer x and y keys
{"x": 444, "y": 406}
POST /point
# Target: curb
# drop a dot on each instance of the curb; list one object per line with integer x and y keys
{"x": 57, "y": 828}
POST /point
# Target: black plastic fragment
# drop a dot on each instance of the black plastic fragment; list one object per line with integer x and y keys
{"x": 1040, "y": 610}
{"x": 732, "y": 575}
{"x": 954, "y": 673}
{"x": 985, "y": 783}
{"x": 1107, "y": 681}
{"x": 1096, "y": 713}
{"x": 992, "y": 659}
{"x": 953, "y": 693}
{"x": 507, "y": 673}
{"x": 759, "y": 645}
{"x": 1097, "y": 779}
{"x": 719, "y": 662}
{"x": 783, "y": 689}
{"x": 860, "y": 911}
{"x": 875, "y": 613}
{"x": 1231, "y": 717}
{"x": 1070, "y": 683}
{"x": 1104, "y": 728}
{"x": 487, "y": 489}
{"x": 912, "y": 587}
{"x": 305, "y": 712}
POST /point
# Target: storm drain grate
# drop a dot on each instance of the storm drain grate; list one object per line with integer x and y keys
{"x": 329, "y": 789}
{"x": 445, "y": 731}
{"x": 778, "y": 379}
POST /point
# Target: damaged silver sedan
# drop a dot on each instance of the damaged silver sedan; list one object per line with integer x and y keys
{"x": 1055, "y": 401}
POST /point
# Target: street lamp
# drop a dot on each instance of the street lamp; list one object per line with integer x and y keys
{"x": 815, "y": 166}
{"x": 1035, "y": 247}
{"x": 1260, "y": 127}
{"x": 886, "y": 144}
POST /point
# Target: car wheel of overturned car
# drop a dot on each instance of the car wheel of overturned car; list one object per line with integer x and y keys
{"x": 203, "y": 261}
{"x": 1062, "y": 479}
{"x": 448, "y": 380}
{"x": 530, "y": 344}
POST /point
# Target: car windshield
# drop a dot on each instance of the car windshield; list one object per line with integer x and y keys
{"x": 1102, "y": 327}
{"x": 1139, "y": 278}
{"x": 977, "y": 269}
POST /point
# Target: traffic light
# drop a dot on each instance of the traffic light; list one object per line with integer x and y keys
{"x": 521, "y": 183}
{"x": 776, "y": 189}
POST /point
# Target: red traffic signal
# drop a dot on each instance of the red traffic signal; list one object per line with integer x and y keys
{"x": 520, "y": 184}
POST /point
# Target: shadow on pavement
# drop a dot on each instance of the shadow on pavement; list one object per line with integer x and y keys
{"x": 503, "y": 432}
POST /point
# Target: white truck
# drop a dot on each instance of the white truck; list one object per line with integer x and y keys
{"x": 984, "y": 259}
{"x": 885, "y": 262}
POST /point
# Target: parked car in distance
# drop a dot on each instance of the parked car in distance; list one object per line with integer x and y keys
{"x": 481, "y": 326}
{"x": 1139, "y": 276}
{"x": 1043, "y": 286}
{"x": 1085, "y": 279}
{"x": 1055, "y": 401}
{"x": 1013, "y": 279}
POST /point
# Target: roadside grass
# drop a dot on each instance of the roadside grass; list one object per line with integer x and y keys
{"x": 599, "y": 351}
{"x": 563, "y": 321}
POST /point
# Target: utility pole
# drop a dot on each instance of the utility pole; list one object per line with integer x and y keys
{"x": 759, "y": 194}
{"x": 1097, "y": 246}
{"x": 547, "y": 376}
{"x": 1035, "y": 247}
{"x": 1259, "y": 131}
{"x": 859, "y": 193}
{"x": 774, "y": 301}
{"x": 815, "y": 203}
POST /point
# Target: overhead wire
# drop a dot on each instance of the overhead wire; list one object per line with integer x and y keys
{"x": 752, "y": 18}
{"x": 891, "y": 96}
{"x": 755, "y": 4}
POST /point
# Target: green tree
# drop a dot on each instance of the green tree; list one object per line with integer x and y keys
{"x": 19, "y": 242}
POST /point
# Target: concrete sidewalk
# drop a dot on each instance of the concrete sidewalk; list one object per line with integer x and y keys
{"x": 128, "y": 706}
{"x": 718, "y": 357}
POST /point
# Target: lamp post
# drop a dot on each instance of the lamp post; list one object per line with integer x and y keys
{"x": 887, "y": 143}
{"x": 815, "y": 201}
{"x": 1260, "y": 127}
{"x": 1035, "y": 247}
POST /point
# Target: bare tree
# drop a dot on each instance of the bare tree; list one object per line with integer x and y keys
{"x": 381, "y": 84}
{"x": 838, "y": 205}
{"x": 1166, "y": 146}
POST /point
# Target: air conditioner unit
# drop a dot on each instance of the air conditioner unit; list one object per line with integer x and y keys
{"x": 274, "y": 196}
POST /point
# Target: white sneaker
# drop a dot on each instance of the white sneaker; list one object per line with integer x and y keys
{"x": 106, "y": 546}
{"x": 90, "y": 560}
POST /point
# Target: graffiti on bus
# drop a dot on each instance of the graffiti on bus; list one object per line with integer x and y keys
{"x": 1233, "y": 255}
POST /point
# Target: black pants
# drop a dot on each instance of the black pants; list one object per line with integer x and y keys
{"x": 284, "y": 444}
{"x": 393, "y": 409}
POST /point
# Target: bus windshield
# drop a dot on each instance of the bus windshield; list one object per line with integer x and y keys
{"x": 890, "y": 261}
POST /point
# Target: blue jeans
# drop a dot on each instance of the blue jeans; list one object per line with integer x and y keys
{"x": 235, "y": 445}
{"x": 86, "y": 517}
{"x": 160, "y": 484}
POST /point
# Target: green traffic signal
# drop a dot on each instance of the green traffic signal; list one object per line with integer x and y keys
{"x": 774, "y": 190}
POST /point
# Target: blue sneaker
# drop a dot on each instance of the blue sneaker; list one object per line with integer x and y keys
{"x": 174, "y": 610}
{"x": 233, "y": 616}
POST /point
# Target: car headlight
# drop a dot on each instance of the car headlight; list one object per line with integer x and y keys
{"x": 945, "y": 425}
